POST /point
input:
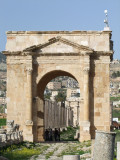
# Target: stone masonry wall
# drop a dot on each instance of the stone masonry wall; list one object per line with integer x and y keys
{"x": 83, "y": 55}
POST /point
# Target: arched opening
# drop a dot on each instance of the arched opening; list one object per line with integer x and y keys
{"x": 47, "y": 78}
{"x": 59, "y": 96}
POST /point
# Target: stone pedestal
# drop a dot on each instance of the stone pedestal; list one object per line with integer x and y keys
{"x": 29, "y": 132}
{"x": 85, "y": 131}
{"x": 118, "y": 150}
{"x": 104, "y": 145}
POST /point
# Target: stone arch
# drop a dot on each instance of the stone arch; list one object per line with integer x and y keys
{"x": 84, "y": 55}
{"x": 44, "y": 78}
{"x": 47, "y": 76}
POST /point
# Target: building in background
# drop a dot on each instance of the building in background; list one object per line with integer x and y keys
{"x": 54, "y": 85}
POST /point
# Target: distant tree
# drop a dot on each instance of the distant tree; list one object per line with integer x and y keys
{"x": 116, "y": 74}
{"x": 47, "y": 96}
{"x": 60, "y": 97}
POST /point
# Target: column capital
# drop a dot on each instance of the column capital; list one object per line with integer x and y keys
{"x": 29, "y": 122}
{"x": 86, "y": 70}
{"x": 29, "y": 70}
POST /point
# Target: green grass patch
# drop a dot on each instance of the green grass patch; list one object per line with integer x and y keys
{"x": 116, "y": 114}
{"x": 49, "y": 154}
{"x": 2, "y": 122}
{"x": 80, "y": 152}
{"x": 114, "y": 98}
{"x": 23, "y": 151}
{"x": 68, "y": 135}
{"x": 76, "y": 149}
{"x": 21, "y": 154}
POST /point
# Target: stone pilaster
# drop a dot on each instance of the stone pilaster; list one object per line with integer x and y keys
{"x": 85, "y": 125}
{"x": 67, "y": 117}
{"x": 29, "y": 122}
{"x": 86, "y": 94}
{"x": 40, "y": 120}
{"x": 29, "y": 97}
{"x": 78, "y": 113}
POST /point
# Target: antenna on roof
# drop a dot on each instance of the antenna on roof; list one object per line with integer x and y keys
{"x": 106, "y": 28}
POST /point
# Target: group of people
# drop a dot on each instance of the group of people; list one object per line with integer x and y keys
{"x": 52, "y": 135}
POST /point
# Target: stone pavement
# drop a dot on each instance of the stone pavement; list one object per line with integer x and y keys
{"x": 57, "y": 150}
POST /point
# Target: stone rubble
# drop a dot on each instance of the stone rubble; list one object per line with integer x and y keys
{"x": 10, "y": 136}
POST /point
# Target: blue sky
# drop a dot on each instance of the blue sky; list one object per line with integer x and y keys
{"x": 69, "y": 15}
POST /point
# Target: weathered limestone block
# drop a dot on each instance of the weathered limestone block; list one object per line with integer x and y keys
{"x": 104, "y": 145}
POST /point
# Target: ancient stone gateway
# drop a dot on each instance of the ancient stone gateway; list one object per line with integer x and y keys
{"x": 34, "y": 58}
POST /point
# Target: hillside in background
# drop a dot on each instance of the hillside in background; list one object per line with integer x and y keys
{"x": 2, "y": 58}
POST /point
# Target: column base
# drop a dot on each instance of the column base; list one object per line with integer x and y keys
{"x": 85, "y": 131}
{"x": 29, "y": 137}
{"x": 29, "y": 131}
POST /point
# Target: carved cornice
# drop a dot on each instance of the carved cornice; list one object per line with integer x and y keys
{"x": 11, "y": 53}
{"x": 79, "y": 53}
{"x": 82, "y": 53}
{"x": 17, "y": 53}
{"x": 57, "y": 32}
{"x": 103, "y": 53}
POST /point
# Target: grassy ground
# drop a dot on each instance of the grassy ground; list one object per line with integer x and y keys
{"x": 77, "y": 149}
{"x": 114, "y": 98}
{"x": 23, "y": 151}
{"x": 68, "y": 135}
{"x": 2, "y": 122}
{"x": 116, "y": 113}
{"x": 26, "y": 150}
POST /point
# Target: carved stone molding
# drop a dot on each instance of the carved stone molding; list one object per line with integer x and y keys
{"x": 29, "y": 122}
